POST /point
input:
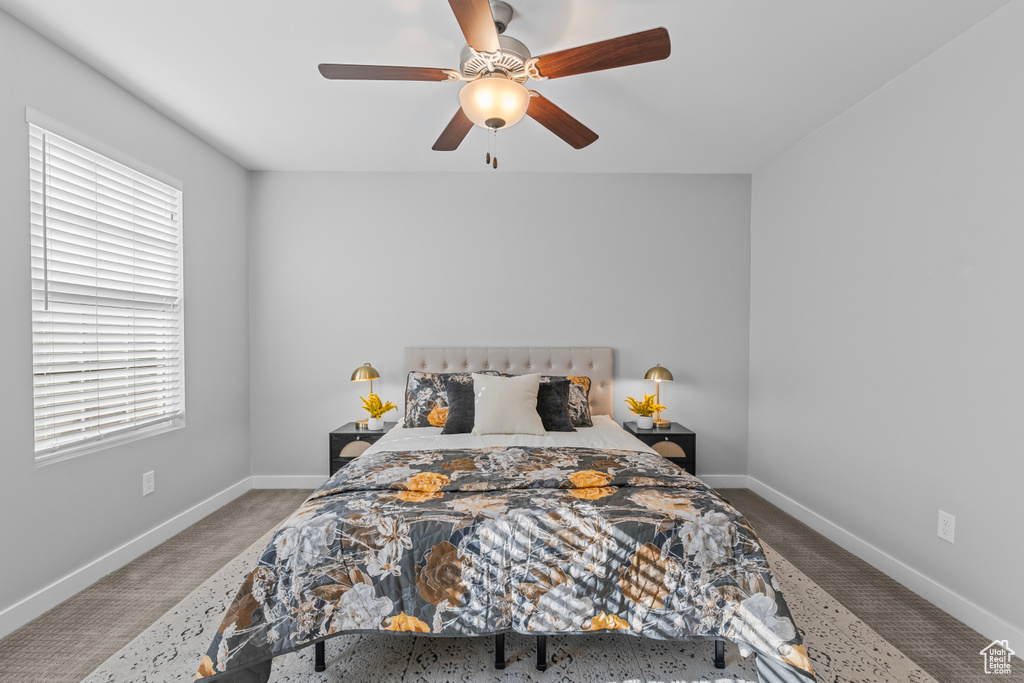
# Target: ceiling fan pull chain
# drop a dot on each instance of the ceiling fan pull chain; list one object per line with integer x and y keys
{"x": 494, "y": 163}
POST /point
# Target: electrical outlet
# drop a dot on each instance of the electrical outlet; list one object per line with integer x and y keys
{"x": 947, "y": 525}
{"x": 148, "y": 483}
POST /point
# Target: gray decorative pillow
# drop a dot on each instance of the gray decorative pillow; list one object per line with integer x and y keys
{"x": 426, "y": 403}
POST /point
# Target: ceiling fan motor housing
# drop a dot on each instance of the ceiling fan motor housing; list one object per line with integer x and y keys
{"x": 502, "y": 14}
{"x": 511, "y": 59}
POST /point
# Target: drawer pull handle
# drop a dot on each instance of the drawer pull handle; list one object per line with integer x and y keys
{"x": 666, "y": 438}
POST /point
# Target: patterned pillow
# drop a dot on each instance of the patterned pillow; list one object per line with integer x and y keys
{"x": 426, "y": 403}
{"x": 579, "y": 399}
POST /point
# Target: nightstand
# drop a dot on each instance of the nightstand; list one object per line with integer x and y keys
{"x": 347, "y": 442}
{"x": 677, "y": 443}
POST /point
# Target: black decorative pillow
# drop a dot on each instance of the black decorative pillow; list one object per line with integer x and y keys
{"x": 553, "y": 405}
{"x": 426, "y": 403}
{"x": 461, "y": 401}
{"x": 579, "y": 399}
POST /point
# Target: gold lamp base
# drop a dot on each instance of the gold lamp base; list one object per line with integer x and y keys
{"x": 659, "y": 374}
{"x": 658, "y": 422}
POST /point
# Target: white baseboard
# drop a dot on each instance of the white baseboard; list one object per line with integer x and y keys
{"x": 975, "y": 616}
{"x": 725, "y": 481}
{"x": 24, "y": 611}
{"x": 288, "y": 481}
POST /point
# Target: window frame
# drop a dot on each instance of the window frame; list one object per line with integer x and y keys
{"x": 130, "y": 434}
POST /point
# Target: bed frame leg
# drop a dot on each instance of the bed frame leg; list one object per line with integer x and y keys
{"x": 321, "y": 657}
{"x": 542, "y": 653}
{"x": 499, "y": 651}
{"x": 719, "y": 654}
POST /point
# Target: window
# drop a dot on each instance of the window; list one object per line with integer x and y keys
{"x": 107, "y": 345}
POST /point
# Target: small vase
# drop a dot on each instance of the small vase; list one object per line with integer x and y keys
{"x": 644, "y": 422}
{"x": 375, "y": 423}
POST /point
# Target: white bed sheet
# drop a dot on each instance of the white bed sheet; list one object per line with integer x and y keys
{"x": 605, "y": 434}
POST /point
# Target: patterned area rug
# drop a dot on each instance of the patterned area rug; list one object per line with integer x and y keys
{"x": 842, "y": 647}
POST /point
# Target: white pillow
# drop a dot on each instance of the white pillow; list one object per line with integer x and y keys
{"x": 506, "y": 405}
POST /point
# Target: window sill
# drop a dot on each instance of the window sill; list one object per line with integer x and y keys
{"x": 103, "y": 444}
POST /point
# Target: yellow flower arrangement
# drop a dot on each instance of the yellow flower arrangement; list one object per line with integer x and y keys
{"x": 375, "y": 408}
{"x": 644, "y": 408}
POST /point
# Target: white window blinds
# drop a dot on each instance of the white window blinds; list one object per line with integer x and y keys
{"x": 107, "y": 345}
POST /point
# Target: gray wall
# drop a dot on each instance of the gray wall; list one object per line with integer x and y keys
{"x": 351, "y": 268}
{"x": 56, "y": 518}
{"x": 887, "y": 335}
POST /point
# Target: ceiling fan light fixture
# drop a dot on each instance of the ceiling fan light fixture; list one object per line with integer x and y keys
{"x": 494, "y": 101}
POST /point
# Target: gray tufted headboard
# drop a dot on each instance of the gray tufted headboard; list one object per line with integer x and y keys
{"x": 593, "y": 362}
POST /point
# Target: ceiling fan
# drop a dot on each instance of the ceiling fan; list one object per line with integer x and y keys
{"x": 495, "y": 66}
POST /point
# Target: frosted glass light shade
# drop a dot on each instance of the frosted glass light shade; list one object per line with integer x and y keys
{"x": 494, "y": 101}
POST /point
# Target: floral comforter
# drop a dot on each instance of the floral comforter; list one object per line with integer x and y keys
{"x": 469, "y": 542}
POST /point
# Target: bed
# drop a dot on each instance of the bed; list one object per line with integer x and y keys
{"x": 549, "y": 535}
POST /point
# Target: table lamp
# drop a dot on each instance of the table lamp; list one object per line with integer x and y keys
{"x": 659, "y": 375}
{"x": 361, "y": 374}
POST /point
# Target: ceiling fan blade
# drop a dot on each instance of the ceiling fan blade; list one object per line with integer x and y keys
{"x": 636, "y": 48}
{"x": 477, "y": 24}
{"x": 454, "y": 133}
{"x": 554, "y": 118}
{"x": 367, "y": 72}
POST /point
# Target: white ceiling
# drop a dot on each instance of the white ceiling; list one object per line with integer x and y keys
{"x": 746, "y": 80}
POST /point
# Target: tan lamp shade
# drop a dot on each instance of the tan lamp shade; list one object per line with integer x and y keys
{"x": 658, "y": 374}
{"x": 364, "y": 372}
